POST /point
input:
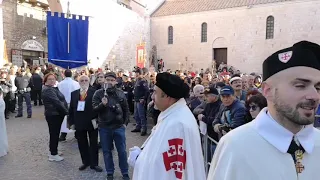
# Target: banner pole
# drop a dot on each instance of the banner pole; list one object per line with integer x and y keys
{"x": 68, "y": 16}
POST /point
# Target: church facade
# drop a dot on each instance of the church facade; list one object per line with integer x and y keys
{"x": 190, "y": 34}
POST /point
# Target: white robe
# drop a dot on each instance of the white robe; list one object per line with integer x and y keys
{"x": 66, "y": 87}
{"x": 3, "y": 131}
{"x": 176, "y": 126}
{"x": 258, "y": 151}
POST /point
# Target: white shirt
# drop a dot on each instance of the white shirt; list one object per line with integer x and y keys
{"x": 258, "y": 151}
{"x": 67, "y": 86}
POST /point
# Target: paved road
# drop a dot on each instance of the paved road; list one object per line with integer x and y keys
{"x": 28, "y": 154}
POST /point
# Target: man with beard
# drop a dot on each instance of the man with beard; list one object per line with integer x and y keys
{"x": 236, "y": 84}
{"x": 287, "y": 146}
{"x": 113, "y": 115}
{"x": 173, "y": 150}
{"x": 82, "y": 119}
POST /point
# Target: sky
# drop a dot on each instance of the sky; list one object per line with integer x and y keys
{"x": 106, "y": 23}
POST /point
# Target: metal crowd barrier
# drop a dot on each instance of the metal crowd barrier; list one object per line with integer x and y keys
{"x": 208, "y": 146}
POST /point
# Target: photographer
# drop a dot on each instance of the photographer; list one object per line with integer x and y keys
{"x": 231, "y": 113}
{"x": 113, "y": 114}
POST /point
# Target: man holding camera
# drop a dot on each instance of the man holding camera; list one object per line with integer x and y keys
{"x": 231, "y": 113}
{"x": 113, "y": 114}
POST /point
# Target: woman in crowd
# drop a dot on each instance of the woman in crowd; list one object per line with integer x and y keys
{"x": 6, "y": 85}
{"x": 252, "y": 93}
{"x": 3, "y": 131}
{"x": 56, "y": 108}
{"x": 255, "y": 104}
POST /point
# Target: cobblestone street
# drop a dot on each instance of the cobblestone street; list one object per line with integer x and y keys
{"x": 28, "y": 153}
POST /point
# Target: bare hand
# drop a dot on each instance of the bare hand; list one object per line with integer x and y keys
{"x": 224, "y": 132}
{"x": 141, "y": 101}
{"x": 104, "y": 101}
{"x": 216, "y": 128}
{"x": 200, "y": 116}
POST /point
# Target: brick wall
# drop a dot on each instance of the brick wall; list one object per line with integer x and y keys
{"x": 242, "y": 30}
{"x": 21, "y": 23}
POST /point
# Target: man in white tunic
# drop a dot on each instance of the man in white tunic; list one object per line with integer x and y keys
{"x": 281, "y": 143}
{"x": 66, "y": 87}
{"x": 173, "y": 150}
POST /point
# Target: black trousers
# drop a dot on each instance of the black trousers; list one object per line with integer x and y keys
{"x": 54, "y": 123}
{"x": 88, "y": 149}
{"x": 37, "y": 97}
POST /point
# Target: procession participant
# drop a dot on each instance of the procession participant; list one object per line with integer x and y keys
{"x": 174, "y": 147}
{"x": 67, "y": 86}
{"x": 82, "y": 119}
{"x": 287, "y": 146}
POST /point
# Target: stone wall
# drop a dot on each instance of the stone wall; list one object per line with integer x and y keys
{"x": 241, "y": 30}
{"x": 21, "y": 23}
{"x": 124, "y": 50}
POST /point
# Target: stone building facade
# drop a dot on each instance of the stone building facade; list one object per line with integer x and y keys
{"x": 24, "y": 31}
{"x": 242, "y": 33}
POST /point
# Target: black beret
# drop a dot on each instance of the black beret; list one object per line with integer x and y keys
{"x": 110, "y": 74}
{"x": 303, "y": 53}
{"x": 172, "y": 85}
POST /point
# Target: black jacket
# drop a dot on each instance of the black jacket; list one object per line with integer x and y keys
{"x": 141, "y": 90}
{"x": 36, "y": 82}
{"x": 81, "y": 119}
{"x": 210, "y": 112}
{"x": 107, "y": 117}
{"x": 54, "y": 102}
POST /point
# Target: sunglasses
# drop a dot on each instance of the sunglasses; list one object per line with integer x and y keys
{"x": 253, "y": 107}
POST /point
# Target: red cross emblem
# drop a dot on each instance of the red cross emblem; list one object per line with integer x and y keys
{"x": 175, "y": 158}
{"x": 285, "y": 57}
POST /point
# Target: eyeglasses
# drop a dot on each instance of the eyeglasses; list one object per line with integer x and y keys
{"x": 84, "y": 80}
{"x": 253, "y": 107}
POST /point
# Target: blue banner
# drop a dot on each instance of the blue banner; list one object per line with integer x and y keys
{"x": 67, "y": 40}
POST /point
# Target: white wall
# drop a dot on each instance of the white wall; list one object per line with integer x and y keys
{"x": 244, "y": 31}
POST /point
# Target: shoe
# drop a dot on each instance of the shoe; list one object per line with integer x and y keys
{"x": 56, "y": 158}
{"x": 136, "y": 130}
{"x": 29, "y": 116}
{"x": 143, "y": 132}
{"x": 61, "y": 139}
{"x": 83, "y": 167}
{"x": 125, "y": 177}
{"x": 96, "y": 168}
{"x": 17, "y": 116}
{"x": 7, "y": 117}
{"x": 59, "y": 153}
{"x": 110, "y": 177}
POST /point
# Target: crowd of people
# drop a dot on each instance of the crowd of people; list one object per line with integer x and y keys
{"x": 233, "y": 105}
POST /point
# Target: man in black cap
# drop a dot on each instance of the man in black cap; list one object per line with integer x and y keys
{"x": 173, "y": 150}
{"x": 113, "y": 116}
{"x": 286, "y": 145}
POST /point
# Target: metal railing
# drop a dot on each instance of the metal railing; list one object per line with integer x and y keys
{"x": 208, "y": 147}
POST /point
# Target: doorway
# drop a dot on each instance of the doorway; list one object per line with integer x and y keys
{"x": 220, "y": 55}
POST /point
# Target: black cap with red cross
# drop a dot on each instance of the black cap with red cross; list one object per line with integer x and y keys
{"x": 303, "y": 53}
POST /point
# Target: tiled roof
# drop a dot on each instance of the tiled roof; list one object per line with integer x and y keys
{"x": 174, "y": 7}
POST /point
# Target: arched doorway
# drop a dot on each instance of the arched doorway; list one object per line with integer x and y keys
{"x": 220, "y": 51}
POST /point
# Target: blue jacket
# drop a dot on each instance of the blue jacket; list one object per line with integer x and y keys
{"x": 236, "y": 116}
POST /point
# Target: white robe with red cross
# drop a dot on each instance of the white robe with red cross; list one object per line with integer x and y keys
{"x": 173, "y": 150}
